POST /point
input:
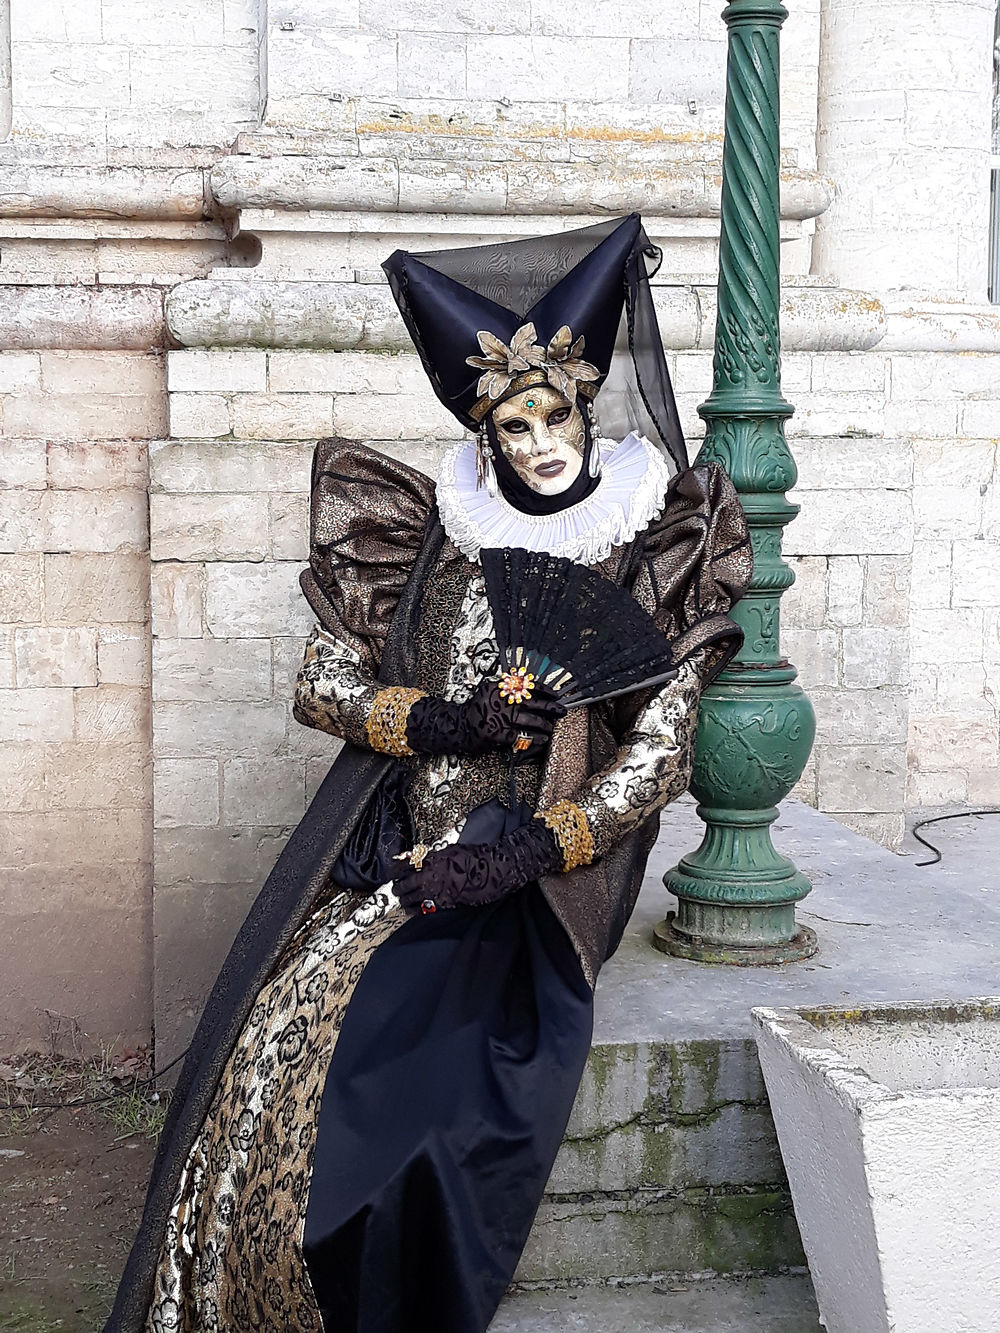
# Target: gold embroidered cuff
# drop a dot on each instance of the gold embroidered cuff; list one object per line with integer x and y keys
{"x": 385, "y": 725}
{"x": 568, "y": 822}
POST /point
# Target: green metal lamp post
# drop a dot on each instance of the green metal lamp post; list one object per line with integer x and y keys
{"x": 736, "y": 894}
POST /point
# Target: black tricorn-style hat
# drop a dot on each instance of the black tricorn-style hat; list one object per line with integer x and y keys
{"x": 491, "y": 320}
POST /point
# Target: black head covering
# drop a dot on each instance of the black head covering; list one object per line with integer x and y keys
{"x": 585, "y": 292}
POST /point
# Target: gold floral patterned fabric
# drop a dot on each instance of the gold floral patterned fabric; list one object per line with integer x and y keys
{"x": 343, "y": 708}
{"x": 231, "y": 1259}
{"x": 456, "y": 649}
{"x": 446, "y": 787}
{"x": 653, "y": 766}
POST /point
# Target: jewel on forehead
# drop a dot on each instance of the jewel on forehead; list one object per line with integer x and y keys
{"x": 530, "y": 402}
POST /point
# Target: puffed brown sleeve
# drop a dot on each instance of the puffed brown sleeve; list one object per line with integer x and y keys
{"x": 367, "y": 519}
{"x": 695, "y": 565}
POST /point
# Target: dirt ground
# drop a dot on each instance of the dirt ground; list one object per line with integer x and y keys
{"x": 72, "y": 1184}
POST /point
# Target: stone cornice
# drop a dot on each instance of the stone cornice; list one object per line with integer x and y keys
{"x": 242, "y": 311}
{"x": 387, "y": 185}
{"x": 913, "y": 325}
{"x": 523, "y": 188}
{"x": 239, "y": 310}
{"x": 127, "y": 193}
{"x": 79, "y": 318}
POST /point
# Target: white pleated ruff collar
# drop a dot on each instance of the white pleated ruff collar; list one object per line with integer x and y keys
{"x": 630, "y": 493}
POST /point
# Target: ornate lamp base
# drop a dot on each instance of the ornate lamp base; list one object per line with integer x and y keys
{"x": 736, "y": 893}
{"x": 669, "y": 939}
{"x": 736, "y": 896}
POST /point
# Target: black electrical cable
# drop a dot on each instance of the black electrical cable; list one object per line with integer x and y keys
{"x": 108, "y": 1097}
{"x": 938, "y": 819}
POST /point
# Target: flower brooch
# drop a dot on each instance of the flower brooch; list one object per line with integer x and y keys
{"x": 516, "y": 685}
{"x": 560, "y": 360}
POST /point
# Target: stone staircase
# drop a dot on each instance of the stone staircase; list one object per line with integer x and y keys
{"x": 668, "y": 1206}
{"x": 670, "y": 1165}
{"x": 782, "y": 1304}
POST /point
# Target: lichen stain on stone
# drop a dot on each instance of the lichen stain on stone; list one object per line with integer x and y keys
{"x": 969, "y": 1012}
{"x": 434, "y": 125}
{"x": 649, "y": 1134}
{"x": 622, "y": 134}
{"x": 720, "y": 1230}
{"x": 759, "y": 1227}
{"x": 602, "y": 1061}
{"x": 849, "y": 305}
{"x": 702, "y": 1059}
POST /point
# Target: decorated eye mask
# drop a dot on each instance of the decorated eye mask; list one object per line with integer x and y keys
{"x": 542, "y": 436}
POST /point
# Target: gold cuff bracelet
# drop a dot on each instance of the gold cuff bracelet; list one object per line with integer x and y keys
{"x": 385, "y": 725}
{"x": 569, "y": 824}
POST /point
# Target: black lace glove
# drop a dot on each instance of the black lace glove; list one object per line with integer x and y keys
{"x": 484, "y": 722}
{"x": 477, "y": 873}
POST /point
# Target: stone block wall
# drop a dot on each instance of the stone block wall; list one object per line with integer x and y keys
{"x": 233, "y": 771}
{"x": 904, "y": 128}
{"x": 955, "y": 622}
{"x": 893, "y": 619}
{"x": 229, "y": 492}
{"x": 892, "y": 623}
{"x": 75, "y": 779}
{"x": 567, "y": 80}
{"x": 115, "y": 82}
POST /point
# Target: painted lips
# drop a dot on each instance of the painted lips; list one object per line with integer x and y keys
{"x": 552, "y": 469}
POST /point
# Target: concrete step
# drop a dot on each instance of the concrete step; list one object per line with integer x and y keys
{"x": 671, "y": 1163}
{"x": 749, "y": 1305}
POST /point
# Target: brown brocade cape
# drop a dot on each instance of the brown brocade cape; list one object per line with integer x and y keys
{"x": 375, "y": 536}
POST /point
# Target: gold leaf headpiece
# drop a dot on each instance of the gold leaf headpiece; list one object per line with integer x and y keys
{"x": 501, "y": 365}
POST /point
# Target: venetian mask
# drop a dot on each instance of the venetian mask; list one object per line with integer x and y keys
{"x": 542, "y": 436}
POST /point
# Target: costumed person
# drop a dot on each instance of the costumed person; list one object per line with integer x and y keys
{"x": 373, "y": 1099}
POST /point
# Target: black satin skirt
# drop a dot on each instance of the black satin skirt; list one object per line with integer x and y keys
{"x": 455, "y": 1070}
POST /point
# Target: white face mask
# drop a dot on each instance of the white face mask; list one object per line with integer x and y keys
{"x": 543, "y": 438}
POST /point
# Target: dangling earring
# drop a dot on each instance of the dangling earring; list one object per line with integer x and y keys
{"x": 484, "y": 465}
{"x": 594, "y": 462}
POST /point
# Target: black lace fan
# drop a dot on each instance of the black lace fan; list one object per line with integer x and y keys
{"x": 571, "y": 627}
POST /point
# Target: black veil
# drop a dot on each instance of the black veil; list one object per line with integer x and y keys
{"x": 594, "y": 278}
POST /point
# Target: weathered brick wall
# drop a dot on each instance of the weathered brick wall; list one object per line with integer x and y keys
{"x": 75, "y": 779}
{"x": 497, "y": 118}
{"x": 894, "y": 615}
{"x": 904, "y": 129}
{"x": 229, "y": 520}
{"x": 117, "y": 111}
{"x": 892, "y": 623}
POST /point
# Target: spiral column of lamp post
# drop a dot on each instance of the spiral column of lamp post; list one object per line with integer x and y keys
{"x": 736, "y": 894}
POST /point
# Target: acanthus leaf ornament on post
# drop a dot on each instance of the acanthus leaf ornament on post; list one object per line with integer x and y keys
{"x": 736, "y": 894}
